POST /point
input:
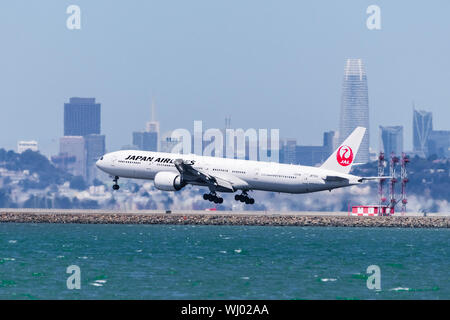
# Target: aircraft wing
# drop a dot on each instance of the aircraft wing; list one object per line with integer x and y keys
{"x": 194, "y": 176}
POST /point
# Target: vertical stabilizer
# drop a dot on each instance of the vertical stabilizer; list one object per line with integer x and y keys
{"x": 342, "y": 159}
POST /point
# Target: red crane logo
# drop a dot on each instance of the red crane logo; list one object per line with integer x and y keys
{"x": 344, "y": 156}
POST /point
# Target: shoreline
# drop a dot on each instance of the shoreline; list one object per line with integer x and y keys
{"x": 219, "y": 218}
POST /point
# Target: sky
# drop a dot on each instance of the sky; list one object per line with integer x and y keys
{"x": 265, "y": 64}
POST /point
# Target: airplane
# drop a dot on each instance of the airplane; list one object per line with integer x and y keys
{"x": 172, "y": 172}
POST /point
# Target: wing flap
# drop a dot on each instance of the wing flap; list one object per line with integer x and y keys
{"x": 194, "y": 176}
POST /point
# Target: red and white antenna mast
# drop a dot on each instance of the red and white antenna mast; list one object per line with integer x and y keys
{"x": 404, "y": 177}
{"x": 381, "y": 181}
{"x": 393, "y": 174}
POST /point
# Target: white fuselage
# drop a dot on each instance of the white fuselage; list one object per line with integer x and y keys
{"x": 244, "y": 174}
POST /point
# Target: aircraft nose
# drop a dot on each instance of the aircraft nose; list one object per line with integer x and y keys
{"x": 99, "y": 163}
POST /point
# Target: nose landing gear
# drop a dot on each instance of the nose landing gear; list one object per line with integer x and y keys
{"x": 244, "y": 198}
{"x": 115, "y": 185}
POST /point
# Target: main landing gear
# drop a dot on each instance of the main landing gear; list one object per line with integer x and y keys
{"x": 244, "y": 198}
{"x": 212, "y": 197}
{"x": 116, "y": 185}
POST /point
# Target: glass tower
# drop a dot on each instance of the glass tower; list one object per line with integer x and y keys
{"x": 355, "y": 105}
{"x": 422, "y": 127}
{"x": 391, "y": 140}
{"x": 81, "y": 117}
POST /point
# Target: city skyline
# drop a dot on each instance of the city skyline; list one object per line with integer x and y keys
{"x": 283, "y": 70}
{"x": 426, "y": 140}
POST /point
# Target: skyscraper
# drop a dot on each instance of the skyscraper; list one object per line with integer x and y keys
{"x": 391, "y": 140}
{"x": 147, "y": 141}
{"x": 95, "y": 148}
{"x": 422, "y": 128}
{"x": 81, "y": 117}
{"x": 328, "y": 141}
{"x": 290, "y": 152}
{"x": 82, "y": 140}
{"x": 74, "y": 146}
{"x": 355, "y": 105}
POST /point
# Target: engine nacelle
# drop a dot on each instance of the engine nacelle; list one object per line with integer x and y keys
{"x": 168, "y": 181}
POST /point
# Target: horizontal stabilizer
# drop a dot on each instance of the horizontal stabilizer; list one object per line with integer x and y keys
{"x": 374, "y": 178}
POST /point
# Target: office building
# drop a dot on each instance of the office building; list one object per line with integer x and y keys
{"x": 422, "y": 127}
{"x": 27, "y": 145}
{"x": 147, "y": 141}
{"x": 81, "y": 117}
{"x": 290, "y": 155}
{"x": 329, "y": 144}
{"x": 74, "y": 147}
{"x": 82, "y": 140}
{"x": 391, "y": 140}
{"x": 355, "y": 105}
{"x": 168, "y": 143}
{"x": 95, "y": 149}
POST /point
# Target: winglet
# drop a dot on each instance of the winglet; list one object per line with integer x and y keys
{"x": 342, "y": 159}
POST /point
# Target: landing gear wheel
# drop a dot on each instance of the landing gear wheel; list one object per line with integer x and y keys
{"x": 212, "y": 197}
{"x": 115, "y": 185}
{"x": 244, "y": 198}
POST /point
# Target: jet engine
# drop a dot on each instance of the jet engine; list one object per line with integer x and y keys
{"x": 168, "y": 181}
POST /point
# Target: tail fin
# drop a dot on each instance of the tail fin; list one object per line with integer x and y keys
{"x": 342, "y": 159}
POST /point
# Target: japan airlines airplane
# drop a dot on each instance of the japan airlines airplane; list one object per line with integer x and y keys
{"x": 172, "y": 172}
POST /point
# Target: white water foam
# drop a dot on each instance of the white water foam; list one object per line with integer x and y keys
{"x": 400, "y": 289}
{"x": 327, "y": 279}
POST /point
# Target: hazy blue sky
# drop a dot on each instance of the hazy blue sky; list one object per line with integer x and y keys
{"x": 267, "y": 64}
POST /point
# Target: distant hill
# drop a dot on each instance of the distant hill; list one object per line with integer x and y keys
{"x": 37, "y": 165}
